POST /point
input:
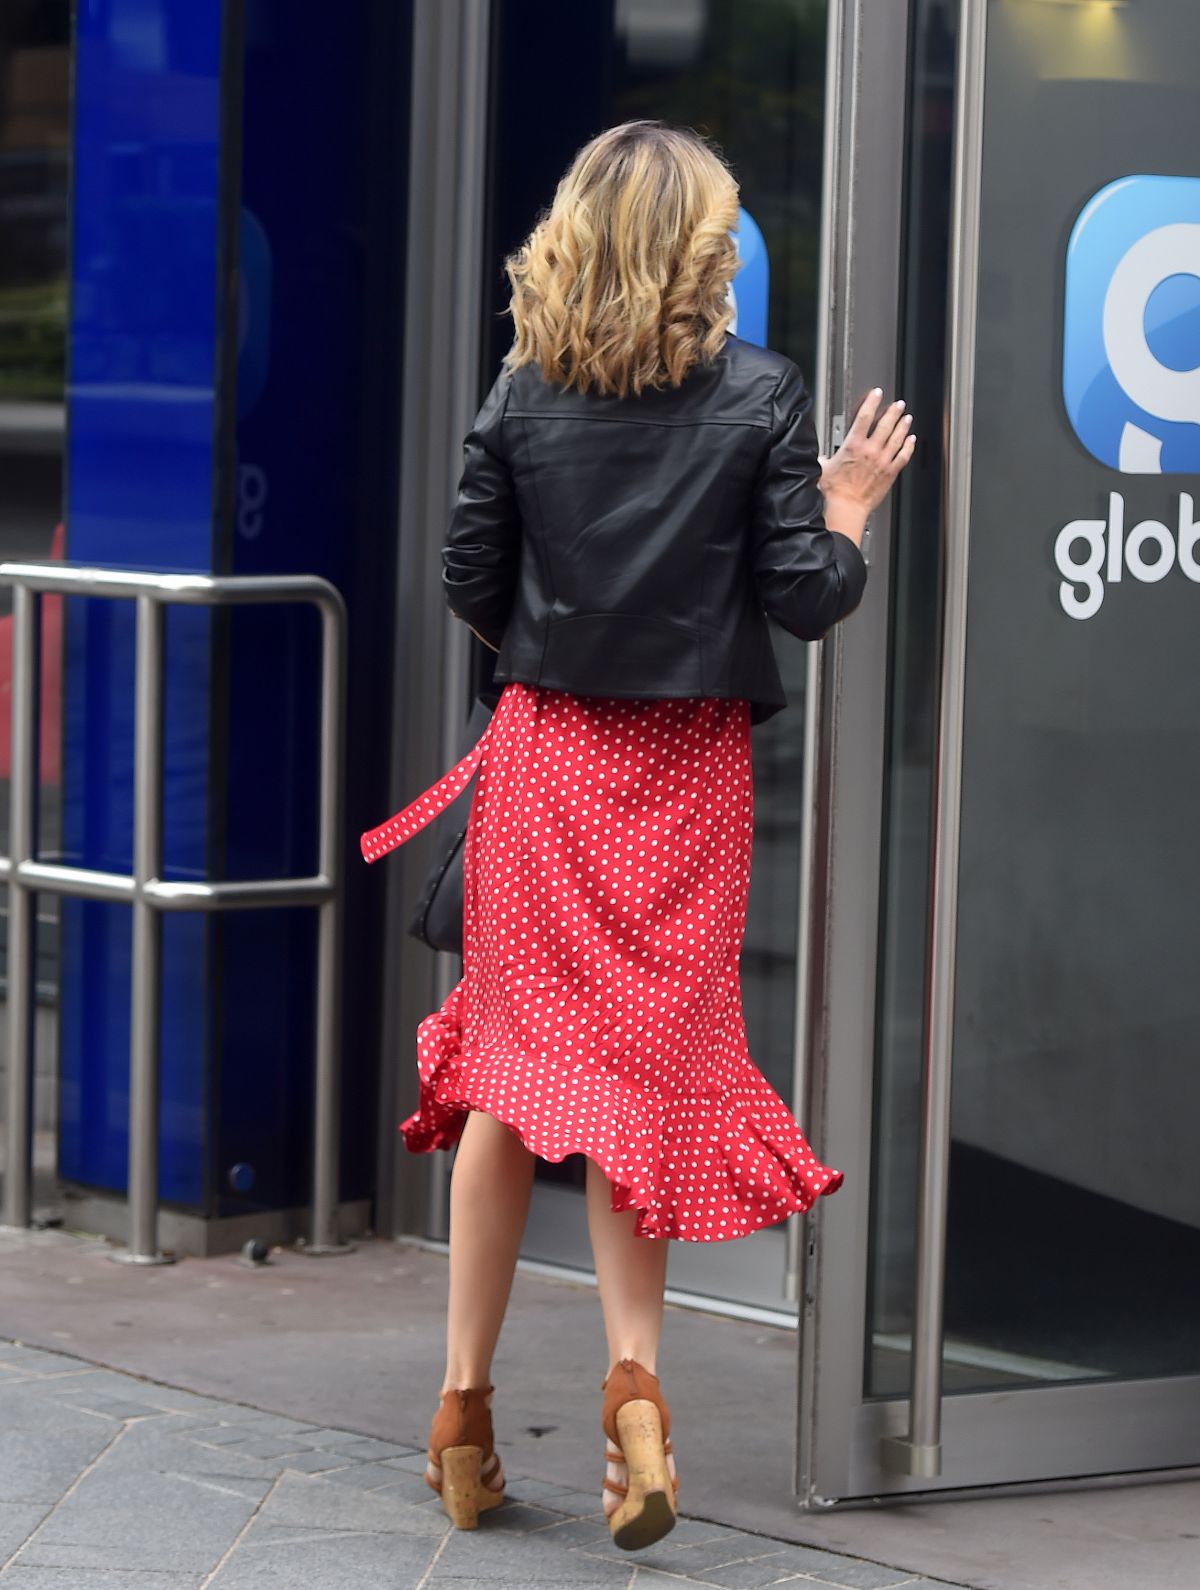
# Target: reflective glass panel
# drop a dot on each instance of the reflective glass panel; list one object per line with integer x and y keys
{"x": 752, "y": 78}
{"x": 1074, "y": 1215}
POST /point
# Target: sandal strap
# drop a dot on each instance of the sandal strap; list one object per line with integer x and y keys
{"x": 628, "y": 1381}
{"x": 623, "y": 1490}
{"x": 491, "y": 1473}
{"x": 463, "y": 1418}
{"x": 487, "y": 1459}
{"x": 619, "y": 1456}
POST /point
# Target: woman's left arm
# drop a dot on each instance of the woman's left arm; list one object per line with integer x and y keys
{"x": 481, "y": 552}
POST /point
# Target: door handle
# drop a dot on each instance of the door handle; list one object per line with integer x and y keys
{"x": 918, "y": 1452}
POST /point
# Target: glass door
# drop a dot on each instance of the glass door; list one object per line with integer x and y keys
{"x": 751, "y": 77}
{"x": 1062, "y": 1225}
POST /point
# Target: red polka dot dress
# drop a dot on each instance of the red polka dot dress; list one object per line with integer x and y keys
{"x": 606, "y": 867}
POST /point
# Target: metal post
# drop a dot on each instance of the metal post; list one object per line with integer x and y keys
{"x": 327, "y": 1077}
{"x": 833, "y": 296}
{"x": 920, "y": 1451}
{"x": 147, "y": 941}
{"x": 22, "y": 902}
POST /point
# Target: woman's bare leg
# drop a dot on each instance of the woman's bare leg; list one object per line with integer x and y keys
{"x": 490, "y": 1187}
{"x": 631, "y": 1273}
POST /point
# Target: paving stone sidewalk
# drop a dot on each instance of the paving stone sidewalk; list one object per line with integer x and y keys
{"x": 110, "y": 1482}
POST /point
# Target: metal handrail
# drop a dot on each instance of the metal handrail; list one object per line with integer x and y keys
{"x": 149, "y": 893}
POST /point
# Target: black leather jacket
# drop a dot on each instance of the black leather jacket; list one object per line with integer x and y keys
{"x": 634, "y": 546}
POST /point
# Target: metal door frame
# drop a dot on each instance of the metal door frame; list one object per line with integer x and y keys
{"x": 851, "y": 1449}
{"x": 431, "y": 662}
{"x": 861, "y": 263}
{"x": 442, "y": 129}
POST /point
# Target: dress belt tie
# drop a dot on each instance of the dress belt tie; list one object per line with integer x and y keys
{"x": 410, "y": 819}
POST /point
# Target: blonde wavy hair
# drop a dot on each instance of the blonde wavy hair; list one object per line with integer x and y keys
{"x": 623, "y": 282}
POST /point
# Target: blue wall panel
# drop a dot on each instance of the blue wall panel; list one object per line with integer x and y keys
{"x": 140, "y": 491}
{"x": 166, "y": 470}
{"x": 300, "y": 374}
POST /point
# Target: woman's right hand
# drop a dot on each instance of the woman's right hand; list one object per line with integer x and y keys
{"x": 860, "y": 474}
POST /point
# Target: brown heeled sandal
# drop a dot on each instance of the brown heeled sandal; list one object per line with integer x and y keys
{"x": 462, "y": 1464}
{"x": 637, "y": 1422}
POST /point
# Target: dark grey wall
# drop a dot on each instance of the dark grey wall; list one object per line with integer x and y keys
{"x": 1077, "y": 1039}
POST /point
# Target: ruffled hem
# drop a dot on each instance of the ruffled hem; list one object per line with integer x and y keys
{"x": 748, "y": 1168}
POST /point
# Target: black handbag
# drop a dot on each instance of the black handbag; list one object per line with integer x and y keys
{"x": 438, "y": 918}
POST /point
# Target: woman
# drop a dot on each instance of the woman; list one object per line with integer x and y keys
{"x": 639, "y": 491}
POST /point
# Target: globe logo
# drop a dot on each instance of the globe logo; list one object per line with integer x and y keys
{"x": 1131, "y": 327}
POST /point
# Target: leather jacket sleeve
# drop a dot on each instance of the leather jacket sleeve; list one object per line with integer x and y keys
{"x": 480, "y": 555}
{"x": 807, "y": 576}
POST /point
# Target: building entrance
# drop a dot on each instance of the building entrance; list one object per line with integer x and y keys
{"x": 1008, "y": 1292}
{"x": 966, "y": 959}
{"x": 753, "y": 78}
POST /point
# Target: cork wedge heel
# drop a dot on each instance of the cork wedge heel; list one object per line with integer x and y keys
{"x": 637, "y": 1423}
{"x": 462, "y": 1464}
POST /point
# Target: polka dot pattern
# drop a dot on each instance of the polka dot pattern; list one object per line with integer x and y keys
{"x": 606, "y": 868}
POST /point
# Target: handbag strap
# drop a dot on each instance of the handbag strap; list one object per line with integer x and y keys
{"x": 410, "y": 819}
